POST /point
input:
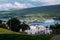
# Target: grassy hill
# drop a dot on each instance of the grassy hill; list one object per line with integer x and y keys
{"x": 6, "y": 31}
{"x": 45, "y": 11}
{"x": 10, "y": 35}
{"x": 52, "y": 10}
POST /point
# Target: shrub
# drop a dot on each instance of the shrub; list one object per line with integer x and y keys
{"x": 2, "y": 25}
{"x": 13, "y": 24}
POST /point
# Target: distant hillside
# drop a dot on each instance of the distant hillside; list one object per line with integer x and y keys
{"x": 46, "y": 11}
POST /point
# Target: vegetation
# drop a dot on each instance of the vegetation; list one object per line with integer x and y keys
{"x": 37, "y": 16}
{"x": 25, "y": 37}
{"x": 10, "y": 35}
{"x": 55, "y": 28}
{"x": 48, "y": 11}
{"x": 0, "y": 21}
{"x": 1, "y": 24}
{"x": 15, "y": 25}
{"x": 25, "y": 26}
{"x": 6, "y": 31}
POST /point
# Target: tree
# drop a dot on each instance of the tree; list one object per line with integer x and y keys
{"x": 0, "y": 21}
{"x": 1, "y": 24}
{"x": 13, "y": 24}
{"x": 55, "y": 28}
{"x": 24, "y": 26}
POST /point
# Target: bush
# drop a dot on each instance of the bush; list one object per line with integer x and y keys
{"x": 13, "y": 24}
{"x": 2, "y": 25}
{"x": 25, "y": 37}
{"x": 24, "y": 26}
{"x": 55, "y": 28}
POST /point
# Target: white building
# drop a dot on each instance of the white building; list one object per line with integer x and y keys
{"x": 38, "y": 30}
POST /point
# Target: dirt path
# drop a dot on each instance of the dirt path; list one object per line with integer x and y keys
{"x": 56, "y": 37}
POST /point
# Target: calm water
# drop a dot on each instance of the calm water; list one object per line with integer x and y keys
{"x": 41, "y": 23}
{"x": 52, "y": 23}
{"x": 46, "y": 24}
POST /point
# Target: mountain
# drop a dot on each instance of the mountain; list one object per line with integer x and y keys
{"x": 46, "y": 11}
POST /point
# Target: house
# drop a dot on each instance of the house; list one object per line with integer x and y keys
{"x": 38, "y": 29}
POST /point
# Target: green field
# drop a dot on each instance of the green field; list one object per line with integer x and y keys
{"x": 36, "y": 16}
{"x": 10, "y": 35}
{"x": 6, "y": 31}
{"x": 24, "y": 37}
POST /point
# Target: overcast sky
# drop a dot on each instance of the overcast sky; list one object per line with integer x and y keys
{"x": 20, "y": 4}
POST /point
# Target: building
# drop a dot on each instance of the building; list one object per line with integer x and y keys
{"x": 36, "y": 30}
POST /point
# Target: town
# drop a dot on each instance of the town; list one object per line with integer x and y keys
{"x": 37, "y": 27}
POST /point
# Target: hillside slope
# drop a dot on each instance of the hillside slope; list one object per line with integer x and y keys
{"x": 52, "y": 10}
{"x": 5, "y": 31}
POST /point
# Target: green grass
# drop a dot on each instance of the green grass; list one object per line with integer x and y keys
{"x": 37, "y": 16}
{"x": 6, "y": 31}
{"x": 10, "y": 35}
{"x": 40, "y": 18}
{"x": 25, "y": 37}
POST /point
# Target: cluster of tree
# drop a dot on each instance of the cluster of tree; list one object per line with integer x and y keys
{"x": 15, "y": 25}
{"x": 1, "y": 24}
{"x": 57, "y": 18}
{"x": 55, "y": 28}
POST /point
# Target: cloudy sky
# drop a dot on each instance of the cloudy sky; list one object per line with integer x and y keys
{"x": 20, "y": 4}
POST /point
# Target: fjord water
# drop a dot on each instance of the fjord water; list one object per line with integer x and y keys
{"x": 52, "y": 23}
{"x": 40, "y": 23}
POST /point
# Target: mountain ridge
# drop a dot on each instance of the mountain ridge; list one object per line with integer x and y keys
{"x": 52, "y": 10}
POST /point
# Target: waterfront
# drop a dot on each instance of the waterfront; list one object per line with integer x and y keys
{"x": 36, "y": 22}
